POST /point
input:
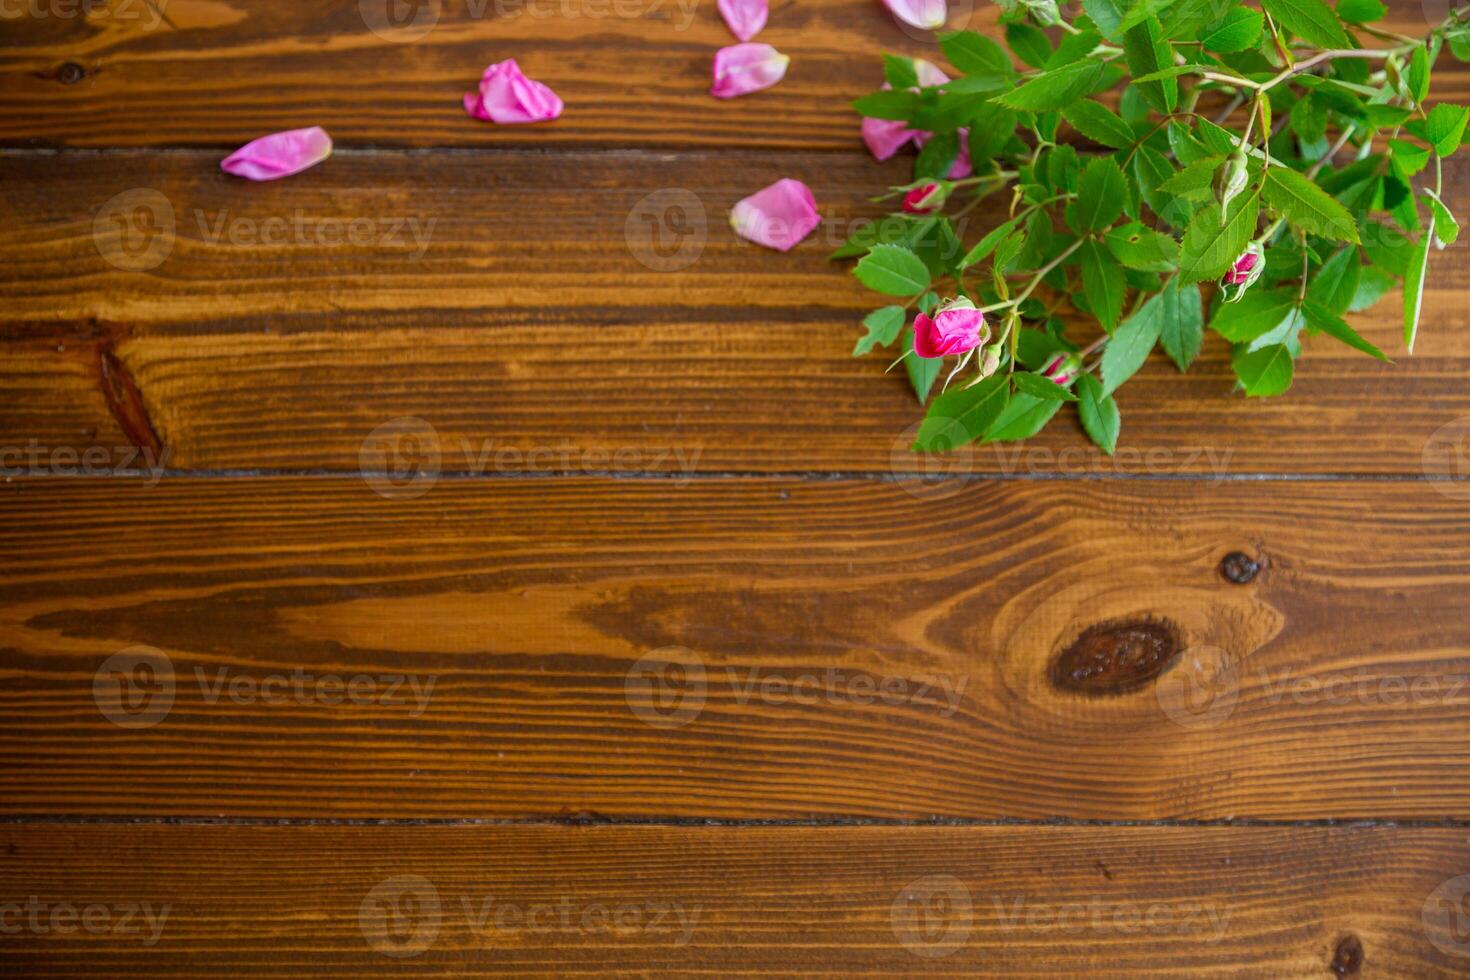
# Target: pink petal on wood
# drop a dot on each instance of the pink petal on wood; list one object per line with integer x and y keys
{"x": 778, "y": 216}
{"x": 743, "y": 68}
{"x": 745, "y": 18}
{"x": 279, "y": 154}
{"x": 507, "y": 96}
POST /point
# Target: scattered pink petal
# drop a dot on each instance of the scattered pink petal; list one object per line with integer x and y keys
{"x": 928, "y": 15}
{"x": 929, "y": 73}
{"x": 507, "y": 96}
{"x": 745, "y": 18}
{"x": 885, "y": 137}
{"x": 955, "y": 327}
{"x": 778, "y": 216}
{"x": 279, "y": 154}
{"x": 743, "y": 68}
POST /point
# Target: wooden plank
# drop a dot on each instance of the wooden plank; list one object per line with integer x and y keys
{"x": 734, "y": 649}
{"x": 632, "y": 72}
{"x": 253, "y": 901}
{"x": 538, "y": 317}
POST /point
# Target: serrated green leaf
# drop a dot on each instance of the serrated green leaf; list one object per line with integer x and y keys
{"x": 1129, "y": 347}
{"x": 1099, "y": 123}
{"x": 1311, "y": 20}
{"x": 883, "y": 325}
{"x": 1146, "y": 51}
{"x": 991, "y": 128}
{"x": 1445, "y": 126}
{"x": 899, "y": 105}
{"x": 987, "y": 244}
{"x": 899, "y": 71}
{"x": 1240, "y": 29}
{"x": 893, "y": 270}
{"x": 1263, "y": 372}
{"x": 975, "y": 54}
{"x": 1307, "y": 206}
{"x": 1103, "y": 284}
{"x": 1040, "y": 387}
{"x": 1051, "y": 90}
{"x": 1373, "y": 283}
{"x": 1181, "y": 316}
{"x": 1196, "y": 179}
{"x": 1333, "y": 285}
{"x": 1029, "y": 43}
{"x": 937, "y": 156}
{"x": 922, "y": 371}
{"x": 1211, "y": 245}
{"x": 1023, "y": 417}
{"x": 961, "y": 415}
{"x": 1417, "y": 77}
{"x": 1100, "y": 196}
{"x": 1414, "y": 285}
{"x": 1446, "y": 228}
{"x": 1099, "y": 413}
{"x": 1334, "y": 326}
{"x": 1140, "y": 247}
{"x": 1361, "y": 11}
{"x": 1410, "y": 158}
{"x": 1255, "y": 314}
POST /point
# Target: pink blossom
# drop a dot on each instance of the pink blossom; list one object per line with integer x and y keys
{"x": 1240, "y": 272}
{"x": 745, "y": 68}
{"x": 778, "y": 216}
{"x": 885, "y": 137}
{"x": 279, "y": 154}
{"x": 925, "y": 199}
{"x": 928, "y": 15}
{"x": 745, "y": 18}
{"x": 955, "y": 327}
{"x": 1062, "y": 369}
{"x": 507, "y": 96}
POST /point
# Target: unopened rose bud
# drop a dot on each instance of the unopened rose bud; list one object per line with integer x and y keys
{"x": 1245, "y": 271}
{"x": 1231, "y": 179}
{"x": 927, "y": 198}
{"x": 1044, "y": 12}
{"x": 990, "y": 360}
{"x": 954, "y": 328}
{"x": 1062, "y": 368}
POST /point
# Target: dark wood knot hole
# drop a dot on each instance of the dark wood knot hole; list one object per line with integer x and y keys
{"x": 1116, "y": 657}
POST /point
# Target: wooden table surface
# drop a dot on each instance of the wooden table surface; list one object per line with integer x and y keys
{"x": 666, "y": 664}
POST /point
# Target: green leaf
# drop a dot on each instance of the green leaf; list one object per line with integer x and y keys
{"x": 961, "y": 415}
{"x": 883, "y": 325}
{"x": 1410, "y": 158}
{"x": 1029, "y": 43}
{"x": 1053, "y": 90}
{"x": 1107, "y": 15}
{"x": 1212, "y": 245}
{"x": 922, "y": 371}
{"x": 1255, "y": 314}
{"x": 1263, "y": 372}
{"x": 1417, "y": 78}
{"x": 1414, "y": 285}
{"x": 1446, "y": 228}
{"x": 1140, "y": 247}
{"x": 987, "y": 244}
{"x": 893, "y": 270}
{"x": 1099, "y": 123}
{"x": 975, "y": 54}
{"x": 991, "y": 128}
{"x": 1311, "y": 20}
{"x": 900, "y": 72}
{"x": 1128, "y": 348}
{"x": 1373, "y": 283}
{"x": 1040, "y": 387}
{"x": 1181, "y": 315}
{"x": 1335, "y": 326}
{"x": 1100, "y": 196}
{"x": 1445, "y": 126}
{"x": 1332, "y": 287}
{"x": 1099, "y": 413}
{"x": 1023, "y": 417}
{"x": 897, "y": 105}
{"x": 1360, "y": 11}
{"x": 1240, "y": 29}
{"x": 1147, "y": 52}
{"x": 1197, "y": 179}
{"x": 1308, "y": 206}
{"x": 1103, "y": 283}
{"x": 937, "y": 156}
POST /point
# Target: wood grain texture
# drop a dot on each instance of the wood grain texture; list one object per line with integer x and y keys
{"x": 632, "y": 72}
{"x": 515, "y": 300}
{"x": 735, "y": 649}
{"x": 1186, "y": 902}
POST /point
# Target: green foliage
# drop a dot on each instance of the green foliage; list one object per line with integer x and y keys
{"x": 1124, "y": 210}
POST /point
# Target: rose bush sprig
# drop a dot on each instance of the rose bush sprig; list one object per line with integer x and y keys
{"x": 1170, "y": 164}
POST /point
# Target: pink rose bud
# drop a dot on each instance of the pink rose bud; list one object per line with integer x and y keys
{"x": 778, "y": 216}
{"x": 954, "y": 328}
{"x": 1244, "y": 273}
{"x": 1062, "y": 369}
{"x": 279, "y": 154}
{"x": 927, "y": 15}
{"x": 745, "y": 18}
{"x": 507, "y": 96}
{"x": 744, "y": 68}
{"x": 926, "y": 198}
{"x": 990, "y": 360}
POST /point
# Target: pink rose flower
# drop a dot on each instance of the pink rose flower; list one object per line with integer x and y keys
{"x": 279, "y": 154}
{"x": 926, "y": 198}
{"x": 507, "y": 96}
{"x": 744, "y": 68}
{"x": 955, "y": 327}
{"x": 778, "y": 216}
